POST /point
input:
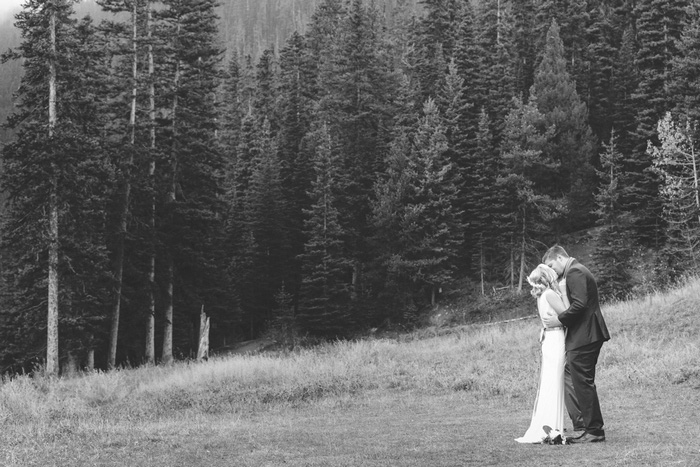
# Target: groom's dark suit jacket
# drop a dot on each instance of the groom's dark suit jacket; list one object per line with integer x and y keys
{"x": 583, "y": 318}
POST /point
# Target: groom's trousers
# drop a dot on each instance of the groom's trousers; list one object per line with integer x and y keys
{"x": 581, "y": 394}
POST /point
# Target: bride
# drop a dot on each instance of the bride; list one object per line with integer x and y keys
{"x": 549, "y": 404}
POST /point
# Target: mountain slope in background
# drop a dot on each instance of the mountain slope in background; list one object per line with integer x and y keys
{"x": 248, "y": 26}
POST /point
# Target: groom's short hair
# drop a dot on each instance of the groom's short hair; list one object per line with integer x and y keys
{"x": 553, "y": 252}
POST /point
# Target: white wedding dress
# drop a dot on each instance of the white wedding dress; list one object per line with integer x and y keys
{"x": 549, "y": 404}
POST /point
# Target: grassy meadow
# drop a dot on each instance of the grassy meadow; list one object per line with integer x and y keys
{"x": 454, "y": 399}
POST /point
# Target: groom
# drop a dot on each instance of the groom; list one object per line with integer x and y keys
{"x": 586, "y": 332}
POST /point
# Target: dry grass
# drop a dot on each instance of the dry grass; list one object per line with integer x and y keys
{"x": 301, "y": 404}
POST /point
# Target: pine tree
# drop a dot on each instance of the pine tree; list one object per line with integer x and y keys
{"x": 86, "y": 278}
{"x": 432, "y": 219}
{"x": 392, "y": 192}
{"x": 435, "y": 43}
{"x": 55, "y": 176}
{"x": 572, "y": 144}
{"x": 486, "y": 204}
{"x": 468, "y": 59}
{"x": 356, "y": 100}
{"x": 625, "y": 80}
{"x": 613, "y": 247}
{"x": 325, "y": 289}
{"x": 596, "y": 86}
{"x": 497, "y": 79}
{"x": 659, "y": 27}
{"x": 324, "y": 27}
{"x": 296, "y": 100}
{"x": 531, "y": 204}
{"x": 190, "y": 230}
{"x": 230, "y": 134}
{"x": 125, "y": 136}
{"x": 525, "y": 45}
{"x": 265, "y": 93}
{"x": 460, "y": 133}
{"x": 572, "y": 18}
{"x": 417, "y": 215}
{"x": 265, "y": 217}
{"x": 685, "y": 68}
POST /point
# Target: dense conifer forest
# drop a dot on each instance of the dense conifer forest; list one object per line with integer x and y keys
{"x": 309, "y": 170}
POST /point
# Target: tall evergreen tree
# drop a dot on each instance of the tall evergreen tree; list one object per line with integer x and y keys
{"x": 685, "y": 68}
{"x": 325, "y": 289}
{"x": 532, "y": 204}
{"x": 265, "y": 93}
{"x": 190, "y": 231}
{"x": 416, "y": 213}
{"x": 486, "y": 213}
{"x": 624, "y": 84}
{"x": 659, "y": 27}
{"x": 572, "y": 144}
{"x": 460, "y": 134}
{"x": 324, "y": 26}
{"x": 435, "y": 43}
{"x": 356, "y": 99}
{"x": 572, "y": 18}
{"x": 240, "y": 241}
{"x": 54, "y": 174}
{"x": 468, "y": 59}
{"x": 596, "y": 86}
{"x": 125, "y": 136}
{"x": 525, "y": 45}
{"x": 613, "y": 248}
{"x": 230, "y": 134}
{"x": 497, "y": 85}
{"x": 265, "y": 217}
{"x": 456, "y": 109}
{"x": 296, "y": 100}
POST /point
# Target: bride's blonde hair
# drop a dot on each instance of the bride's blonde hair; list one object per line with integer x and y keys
{"x": 541, "y": 278}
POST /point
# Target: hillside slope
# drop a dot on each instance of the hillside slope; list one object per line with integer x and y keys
{"x": 456, "y": 399}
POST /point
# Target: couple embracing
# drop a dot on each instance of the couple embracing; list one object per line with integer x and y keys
{"x": 573, "y": 333}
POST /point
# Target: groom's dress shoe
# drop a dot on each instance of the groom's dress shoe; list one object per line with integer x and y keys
{"x": 588, "y": 438}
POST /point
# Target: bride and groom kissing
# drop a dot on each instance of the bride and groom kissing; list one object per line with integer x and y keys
{"x": 572, "y": 335}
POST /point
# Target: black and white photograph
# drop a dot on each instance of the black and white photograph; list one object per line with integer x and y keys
{"x": 339, "y": 233}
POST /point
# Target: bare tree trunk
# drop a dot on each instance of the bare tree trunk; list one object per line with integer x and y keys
{"x": 167, "y": 355}
{"x": 522, "y": 266}
{"x": 203, "y": 347}
{"x": 151, "y": 319}
{"x": 355, "y": 274}
{"x": 522, "y": 256}
{"x": 118, "y": 273}
{"x": 695, "y": 181}
{"x": 498, "y": 22}
{"x": 481, "y": 267}
{"x": 52, "y": 365}
{"x": 512, "y": 264}
{"x": 119, "y": 268}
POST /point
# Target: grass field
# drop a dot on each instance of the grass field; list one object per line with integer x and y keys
{"x": 453, "y": 400}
